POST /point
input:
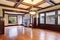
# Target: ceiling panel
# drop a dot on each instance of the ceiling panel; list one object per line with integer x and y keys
{"x": 44, "y": 5}
{"x": 33, "y": 2}
{"x": 34, "y": 8}
{"x": 23, "y": 6}
{"x": 15, "y": 9}
{"x": 56, "y": 1}
{"x": 7, "y": 2}
{"x": 12, "y": 0}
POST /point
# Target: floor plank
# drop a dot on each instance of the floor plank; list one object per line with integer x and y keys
{"x": 22, "y": 33}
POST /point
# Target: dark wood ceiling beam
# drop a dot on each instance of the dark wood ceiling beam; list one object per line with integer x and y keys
{"x": 49, "y": 6}
{"x": 23, "y": 8}
{"x": 53, "y": 2}
{"x": 50, "y": 2}
{"x": 14, "y": 11}
{"x": 37, "y": 7}
{"x": 29, "y": 8}
{"x": 18, "y": 3}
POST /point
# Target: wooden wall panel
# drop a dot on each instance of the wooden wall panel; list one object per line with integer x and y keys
{"x": 1, "y": 26}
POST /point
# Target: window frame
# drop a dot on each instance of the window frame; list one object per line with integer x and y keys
{"x": 44, "y": 18}
{"x": 55, "y": 18}
{"x": 12, "y": 16}
{"x": 56, "y": 14}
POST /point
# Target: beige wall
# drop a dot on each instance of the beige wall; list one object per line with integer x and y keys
{"x": 1, "y": 12}
{"x": 5, "y": 19}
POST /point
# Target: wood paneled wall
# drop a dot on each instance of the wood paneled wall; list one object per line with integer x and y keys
{"x": 1, "y": 26}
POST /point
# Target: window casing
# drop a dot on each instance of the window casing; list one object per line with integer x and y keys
{"x": 42, "y": 18}
{"x": 12, "y": 20}
{"x": 50, "y": 17}
{"x": 58, "y": 17}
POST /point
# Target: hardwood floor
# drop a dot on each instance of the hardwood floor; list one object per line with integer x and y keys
{"x": 22, "y": 33}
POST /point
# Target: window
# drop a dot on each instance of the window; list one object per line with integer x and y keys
{"x": 31, "y": 18}
{"x": 42, "y": 18}
{"x": 59, "y": 17}
{"x": 50, "y": 18}
{"x": 20, "y": 19}
{"x": 12, "y": 20}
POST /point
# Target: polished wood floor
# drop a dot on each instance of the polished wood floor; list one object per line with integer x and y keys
{"x": 22, "y": 33}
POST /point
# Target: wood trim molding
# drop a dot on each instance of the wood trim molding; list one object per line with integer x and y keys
{"x": 53, "y": 2}
{"x": 15, "y": 11}
{"x": 6, "y": 5}
{"x": 18, "y": 3}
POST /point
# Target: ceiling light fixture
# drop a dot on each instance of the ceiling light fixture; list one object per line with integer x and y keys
{"x": 32, "y": 12}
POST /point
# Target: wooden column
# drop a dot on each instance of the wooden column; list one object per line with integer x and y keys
{"x": 38, "y": 20}
{"x": 34, "y": 21}
{"x": 1, "y": 26}
{"x": 56, "y": 17}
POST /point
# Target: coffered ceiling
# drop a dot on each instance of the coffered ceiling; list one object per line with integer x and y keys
{"x": 27, "y": 4}
{"x": 32, "y": 2}
{"x": 56, "y": 1}
{"x": 5, "y": 2}
{"x": 23, "y": 6}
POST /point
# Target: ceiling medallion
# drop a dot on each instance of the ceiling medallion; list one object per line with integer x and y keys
{"x": 32, "y": 0}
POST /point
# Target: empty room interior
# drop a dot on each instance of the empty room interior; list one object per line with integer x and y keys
{"x": 29, "y": 19}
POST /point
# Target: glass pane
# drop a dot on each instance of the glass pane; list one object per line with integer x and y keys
{"x": 31, "y": 18}
{"x": 12, "y": 20}
{"x": 50, "y": 18}
{"x": 42, "y": 18}
{"x": 19, "y": 19}
{"x": 59, "y": 17}
{"x": 37, "y": 16}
